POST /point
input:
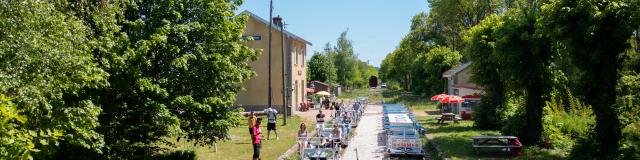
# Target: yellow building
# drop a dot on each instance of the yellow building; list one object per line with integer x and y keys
{"x": 255, "y": 93}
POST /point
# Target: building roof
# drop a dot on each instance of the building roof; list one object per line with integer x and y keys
{"x": 266, "y": 22}
{"x": 321, "y": 83}
{"x": 456, "y": 69}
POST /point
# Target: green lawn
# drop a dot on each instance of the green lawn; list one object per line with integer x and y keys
{"x": 416, "y": 102}
{"x": 372, "y": 94}
{"x": 239, "y": 147}
{"x": 453, "y": 140}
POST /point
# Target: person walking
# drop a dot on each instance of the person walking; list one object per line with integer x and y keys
{"x": 256, "y": 139}
{"x": 319, "y": 121}
{"x": 271, "y": 122}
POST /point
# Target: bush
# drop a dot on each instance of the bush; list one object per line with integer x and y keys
{"x": 514, "y": 115}
{"x": 562, "y": 127}
{"x": 177, "y": 155}
{"x": 629, "y": 98}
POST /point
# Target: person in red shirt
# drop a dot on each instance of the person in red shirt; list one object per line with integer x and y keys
{"x": 256, "y": 139}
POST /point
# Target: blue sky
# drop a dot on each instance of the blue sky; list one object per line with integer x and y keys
{"x": 375, "y": 26}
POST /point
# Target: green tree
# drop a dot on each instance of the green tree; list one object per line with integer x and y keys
{"x": 344, "y": 60}
{"x": 526, "y": 55}
{"x": 174, "y": 70}
{"x": 596, "y": 33}
{"x": 438, "y": 61}
{"x": 480, "y": 41}
{"x": 321, "y": 68}
{"x": 450, "y": 18}
{"x": 45, "y": 66}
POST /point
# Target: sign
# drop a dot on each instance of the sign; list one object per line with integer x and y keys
{"x": 257, "y": 38}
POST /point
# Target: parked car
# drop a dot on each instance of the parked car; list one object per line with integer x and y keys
{"x": 384, "y": 85}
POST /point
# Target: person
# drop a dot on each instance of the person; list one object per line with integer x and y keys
{"x": 256, "y": 139}
{"x": 251, "y": 122}
{"x": 271, "y": 122}
{"x": 302, "y": 137}
{"x": 319, "y": 121}
{"x": 336, "y": 134}
{"x": 339, "y": 108}
{"x": 325, "y": 103}
{"x": 336, "y": 108}
{"x": 357, "y": 109}
{"x": 346, "y": 124}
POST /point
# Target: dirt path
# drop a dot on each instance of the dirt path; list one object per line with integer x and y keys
{"x": 368, "y": 143}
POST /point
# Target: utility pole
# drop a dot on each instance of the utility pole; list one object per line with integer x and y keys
{"x": 278, "y": 21}
{"x": 269, "y": 97}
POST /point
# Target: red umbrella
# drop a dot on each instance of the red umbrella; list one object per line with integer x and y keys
{"x": 438, "y": 97}
{"x": 452, "y": 99}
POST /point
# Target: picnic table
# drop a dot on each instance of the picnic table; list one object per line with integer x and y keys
{"x": 508, "y": 143}
{"x": 448, "y": 117}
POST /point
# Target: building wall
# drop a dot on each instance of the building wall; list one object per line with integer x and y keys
{"x": 255, "y": 93}
{"x": 464, "y": 77}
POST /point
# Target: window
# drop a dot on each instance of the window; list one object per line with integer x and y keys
{"x": 304, "y": 56}
{"x": 295, "y": 52}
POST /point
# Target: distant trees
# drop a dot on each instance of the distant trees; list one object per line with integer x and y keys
{"x": 321, "y": 68}
{"x": 349, "y": 70}
{"x": 418, "y": 62}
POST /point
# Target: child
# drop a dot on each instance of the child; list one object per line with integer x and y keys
{"x": 256, "y": 137}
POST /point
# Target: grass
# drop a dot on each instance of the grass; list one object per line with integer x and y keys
{"x": 372, "y": 94}
{"x": 418, "y": 104}
{"x": 453, "y": 140}
{"x": 239, "y": 146}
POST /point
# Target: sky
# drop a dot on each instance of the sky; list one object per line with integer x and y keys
{"x": 375, "y": 27}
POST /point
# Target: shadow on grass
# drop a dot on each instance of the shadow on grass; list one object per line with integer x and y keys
{"x": 448, "y": 128}
{"x": 432, "y": 112}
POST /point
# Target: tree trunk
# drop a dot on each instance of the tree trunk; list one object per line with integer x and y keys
{"x": 533, "y": 128}
{"x": 608, "y": 132}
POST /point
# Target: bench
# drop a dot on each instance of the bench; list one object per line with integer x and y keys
{"x": 448, "y": 117}
{"x": 509, "y": 143}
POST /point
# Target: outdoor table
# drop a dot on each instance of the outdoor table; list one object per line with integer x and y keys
{"x": 448, "y": 116}
{"x": 506, "y": 142}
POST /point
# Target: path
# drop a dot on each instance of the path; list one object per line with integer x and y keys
{"x": 368, "y": 139}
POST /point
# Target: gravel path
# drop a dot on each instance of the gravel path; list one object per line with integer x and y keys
{"x": 368, "y": 143}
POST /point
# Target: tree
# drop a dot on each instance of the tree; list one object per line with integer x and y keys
{"x": 438, "y": 61}
{"x": 450, "y": 18}
{"x": 321, "y": 68}
{"x": 480, "y": 47}
{"x": 175, "y": 72}
{"x": 526, "y": 55}
{"x": 596, "y": 33}
{"x": 45, "y": 66}
{"x": 344, "y": 60}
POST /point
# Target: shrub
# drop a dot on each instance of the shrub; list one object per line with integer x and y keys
{"x": 514, "y": 115}
{"x": 177, "y": 155}
{"x": 562, "y": 126}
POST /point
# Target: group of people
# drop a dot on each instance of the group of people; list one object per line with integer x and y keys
{"x": 340, "y": 129}
{"x": 256, "y": 132}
